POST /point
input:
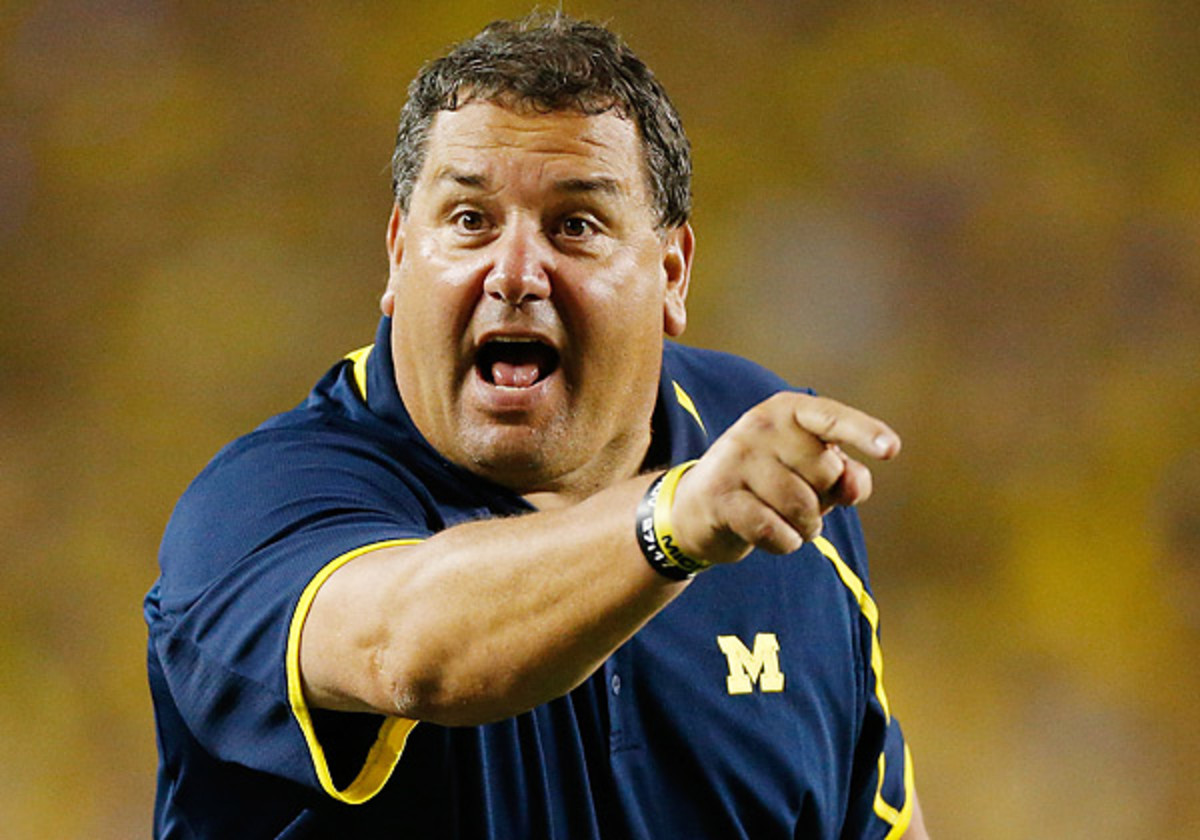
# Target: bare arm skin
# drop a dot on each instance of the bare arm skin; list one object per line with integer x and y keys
{"x": 489, "y": 619}
{"x": 484, "y": 620}
{"x": 916, "y": 828}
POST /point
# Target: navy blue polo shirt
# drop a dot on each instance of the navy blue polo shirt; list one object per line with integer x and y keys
{"x": 752, "y": 706}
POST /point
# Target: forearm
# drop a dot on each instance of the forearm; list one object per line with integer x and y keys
{"x": 484, "y": 620}
{"x": 489, "y": 619}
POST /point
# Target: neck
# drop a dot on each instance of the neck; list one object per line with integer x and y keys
{"x": 621, "y": 460}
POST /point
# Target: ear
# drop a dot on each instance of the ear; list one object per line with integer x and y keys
{"x": 395, "y": 236}
{"x": 677, "y": 266}
{"x": 395, "y": 250}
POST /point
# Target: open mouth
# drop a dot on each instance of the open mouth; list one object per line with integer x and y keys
{"x": 515, "y": 362}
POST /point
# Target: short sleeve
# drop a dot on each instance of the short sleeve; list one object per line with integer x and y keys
{"x": 245, "y": 552}
{"x": 893, "y": 803}
{"x": 880, "y": 803}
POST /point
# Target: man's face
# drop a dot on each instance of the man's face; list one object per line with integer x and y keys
{"x": 529, "y": 291}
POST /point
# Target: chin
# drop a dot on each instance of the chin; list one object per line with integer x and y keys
{"x": 522, "y": 460}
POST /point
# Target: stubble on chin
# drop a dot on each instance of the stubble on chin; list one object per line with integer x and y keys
{"x": 524, "y": 460}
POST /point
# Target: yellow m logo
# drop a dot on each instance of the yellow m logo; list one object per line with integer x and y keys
{"x": 746, "y": 668}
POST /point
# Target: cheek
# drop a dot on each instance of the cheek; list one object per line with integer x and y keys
{"x": 623, "y": 295}
{"x": 437, "y": 297}
{"x": 620, "y": 331}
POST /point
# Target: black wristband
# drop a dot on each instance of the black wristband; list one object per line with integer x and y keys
{"x": 655, "y": 536}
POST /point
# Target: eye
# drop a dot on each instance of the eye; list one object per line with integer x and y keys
{"x": 469, "y": 221}
{"x": 577, "y": 227}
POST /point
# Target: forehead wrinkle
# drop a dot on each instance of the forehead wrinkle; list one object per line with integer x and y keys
{"x": 579, "y": 185}
{"x": 512, "y": 134}
{"x": 477, "y": 158}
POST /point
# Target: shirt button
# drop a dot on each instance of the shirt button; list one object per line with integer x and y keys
{"x": 616, "y": 684}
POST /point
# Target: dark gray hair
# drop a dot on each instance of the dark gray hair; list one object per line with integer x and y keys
{"x": 551, "y": 62}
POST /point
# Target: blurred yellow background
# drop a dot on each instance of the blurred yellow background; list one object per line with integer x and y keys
{"x": 980, "y": 221}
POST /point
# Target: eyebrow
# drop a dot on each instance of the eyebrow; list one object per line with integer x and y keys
{"x": 607, "y": 186}
{"x": 570, "y": 186}
{"x": 463, "y": 179}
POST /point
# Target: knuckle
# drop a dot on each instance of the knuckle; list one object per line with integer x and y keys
{"x": 756, "y": 422}
{"x": 764, "y": 532}
{"x": 803, "y": 504}
{"x": 778, "y": 398}
{"x": 820, "y": 416}
{"x": 809, "y": 525}
{"x": 827, "y": 470}
{"x": 749, "y": 517}
{"x": 826, "y": 421}
{"x": 776, "y": 536}
{"x": 805, "y": 518}
{"x": 743, "y": 448}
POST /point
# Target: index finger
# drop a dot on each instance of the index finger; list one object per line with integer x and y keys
{"x": 837, "y": 423}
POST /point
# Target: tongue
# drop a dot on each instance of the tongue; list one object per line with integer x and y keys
{"x": 510, "y": 375}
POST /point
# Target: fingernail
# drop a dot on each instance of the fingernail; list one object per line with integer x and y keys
{"x": 883, "y": 444}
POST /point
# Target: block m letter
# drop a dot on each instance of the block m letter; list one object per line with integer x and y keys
{"x": 746, "y": 668}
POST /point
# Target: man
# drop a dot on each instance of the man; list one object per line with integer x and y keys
{"x": 454, "y": 594}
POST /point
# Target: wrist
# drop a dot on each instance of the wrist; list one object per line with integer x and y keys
{"x": 656, "y": 532}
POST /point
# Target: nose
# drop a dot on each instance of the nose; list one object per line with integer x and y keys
{"x": 520, "y": 271}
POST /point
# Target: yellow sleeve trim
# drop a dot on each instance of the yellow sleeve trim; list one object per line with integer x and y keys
{"x": 359, "y": 358}
{"x": 869, "y": 610}
{"x": 899, "y": 819}
{"x": 385, "y": 752}
{"x": 686, "y": 403}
